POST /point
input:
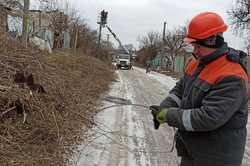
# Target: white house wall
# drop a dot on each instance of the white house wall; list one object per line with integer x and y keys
{"x": 15, "y": 25}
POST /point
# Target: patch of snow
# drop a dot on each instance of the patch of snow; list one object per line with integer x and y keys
{"x": 163, "y": 79}
{"x": 135, "y": 129}
{"x": 42, "y": 44}
{"x": 106, "y": 148}
{"x": 94, "y": 152}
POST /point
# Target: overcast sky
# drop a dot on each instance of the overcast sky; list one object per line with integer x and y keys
{"x": 131, "y": 18}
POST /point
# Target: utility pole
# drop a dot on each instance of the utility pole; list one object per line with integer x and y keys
{"x": 76, "y": 38}
{"x": 163, "y": 43}
{"x": 99, "y": 36}
{"x": 108, "y": 40}
{"x": 102, "y": 22}
{"x": 164, "y": 32}
{"x": 25, "y": 22}
{"x": 108, "y": 37}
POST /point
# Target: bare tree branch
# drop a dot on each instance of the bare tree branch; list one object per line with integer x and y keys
{"x": 240, "y": 15}
{"x": 174, "y": 42}
{"x": 149, "y": 46}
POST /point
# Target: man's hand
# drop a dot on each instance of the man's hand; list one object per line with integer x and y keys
{"x": 159, "y": 115}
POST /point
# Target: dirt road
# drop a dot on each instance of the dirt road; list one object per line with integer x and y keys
{"x": 125, "y": 135}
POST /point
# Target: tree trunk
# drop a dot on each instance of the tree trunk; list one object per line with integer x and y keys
{"x": 25, "y": 22}
{"x": 173, "y": 61}
{"x": 173, "y": 64}
{"x": 76, "y": 38}
{"x": 3, "y": 19}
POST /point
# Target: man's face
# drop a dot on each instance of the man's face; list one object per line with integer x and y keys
{"x": 201, "y": 51}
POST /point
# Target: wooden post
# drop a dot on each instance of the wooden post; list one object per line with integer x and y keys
{"x": 25, "y": 22}
{"x": 164, "y": 31}
{"x": 99, "y": 36}
{"x": 163, "y": 44}
{"x": 76, "y": 38}
{"x": 3, "y": 19}
{"x": 40, "y": 19}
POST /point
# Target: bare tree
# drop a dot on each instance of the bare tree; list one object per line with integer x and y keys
{"x": 48, "y": 5}
{"x": 240, "y": 19}
{"x": 57, "y": 17}
{"x": 81, "y": 35}
{"x": 240, "y": 15}
{"x": 14, "y": 4}
{"x": 149, "y": 46}
{"x": 63, "y": 17}
{"x": 5, "y": 6}
{"x": 247, "y": 44}
{"x": 151, "y": 40}
{"x": 173, "y": 43}
{"x": 19, "y": 5}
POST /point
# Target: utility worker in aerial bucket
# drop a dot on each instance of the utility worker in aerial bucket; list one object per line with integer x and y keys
{"x": 208, "y": 105}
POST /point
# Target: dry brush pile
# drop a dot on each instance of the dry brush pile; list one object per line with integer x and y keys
{"x": 45, "y": 102}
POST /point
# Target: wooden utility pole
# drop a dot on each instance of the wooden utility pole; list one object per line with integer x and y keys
{"x": 108, "y": 38}
{"x": 40, "y": 20}
{"x": 99, "y": 37}
{"x": 163, "y": 43}
{"x": 76, "y": 39}
{"x": 164, "y": 32}
{"x": 25, "y": 22}
{"x": 102, "y": 22}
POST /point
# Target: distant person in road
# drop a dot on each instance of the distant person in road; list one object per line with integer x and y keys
{"x": 208, "y": 105}
{"x": 132, "y": 64}
{"x": 148, "y": 67}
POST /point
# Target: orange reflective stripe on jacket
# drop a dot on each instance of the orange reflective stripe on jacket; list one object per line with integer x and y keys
{"x": 191, "y": 66}
{"x": 218, "y": 69}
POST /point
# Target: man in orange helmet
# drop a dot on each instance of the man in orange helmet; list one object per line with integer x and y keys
{"x": 208, "y": 105}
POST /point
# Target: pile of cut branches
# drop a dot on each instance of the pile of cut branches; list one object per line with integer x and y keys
{"x": 46, "y": 102}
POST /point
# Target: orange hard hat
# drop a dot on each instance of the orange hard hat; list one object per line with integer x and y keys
{"x": 203, "y": 26}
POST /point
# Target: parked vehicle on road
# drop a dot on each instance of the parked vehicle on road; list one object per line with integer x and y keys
{"x": 123, "y": 62}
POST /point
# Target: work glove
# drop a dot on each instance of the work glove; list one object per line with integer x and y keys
{"x": 159, "y": 115}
